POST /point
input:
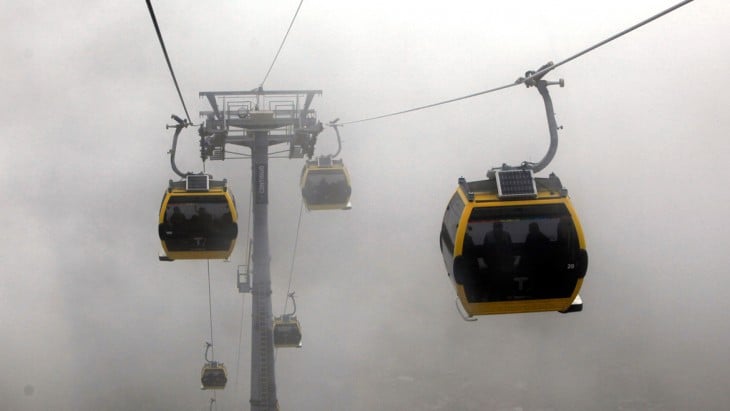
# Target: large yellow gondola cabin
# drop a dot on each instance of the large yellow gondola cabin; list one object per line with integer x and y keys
{"x": 513, "y": 244}
{"x": 198, "y": 219}
{"x": 325, "y": 184}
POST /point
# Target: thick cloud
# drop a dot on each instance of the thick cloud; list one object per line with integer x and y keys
{"x": 91, "y": 320}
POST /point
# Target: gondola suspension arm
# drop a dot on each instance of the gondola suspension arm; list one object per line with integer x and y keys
{"x": 334, "y": 125}
{"x": 542, "y": 86}
{"x": 534, "y": 79}
{"x": 208, "y": 346}
{"x": 294, "y": 305}
{"x": 181, "y": 124}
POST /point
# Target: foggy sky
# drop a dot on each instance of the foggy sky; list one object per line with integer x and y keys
{"x": 91, "y": 320}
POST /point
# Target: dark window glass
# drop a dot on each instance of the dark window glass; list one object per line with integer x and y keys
{"x": 198, "y": 223}
{"x": 287, "y": 334}
{"x": 452, "y": 215}
{"x": 214, "y": 377}
{"x": 522, "y": 252}
{"x": 326, "y": 187}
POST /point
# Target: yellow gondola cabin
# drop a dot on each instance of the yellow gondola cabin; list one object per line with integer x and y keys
{"x": 198, "y": 219}
{"x": 287, "y": 332}
{"x": 213, "y": 376}
{"x": 513, "y": 244}
{"x": 325, "y": 184}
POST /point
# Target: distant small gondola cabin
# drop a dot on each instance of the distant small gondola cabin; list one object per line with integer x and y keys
{"x": 513, "y": 244}
{"x": 325, "y": 184}
{"x": 198, "y": 219}
{"x": 287, "y": 332}
{"x": 213, "y": 376}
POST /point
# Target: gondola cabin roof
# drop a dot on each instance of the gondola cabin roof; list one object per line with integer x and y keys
{"x": 198, "y": 220}
{"x": 325, "y": 184}
{"x": 515, "y": 246}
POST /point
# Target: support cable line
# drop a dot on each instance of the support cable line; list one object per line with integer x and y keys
{"x": 432, "y": 105}
{"x": 294, "y": 256}
{"x": 261, "y": 86}
{"x": 167, "y": 58}
{"x": 543, "y": 71}
{"x": 210, "y": 311}
{"x": 532, "y": 76}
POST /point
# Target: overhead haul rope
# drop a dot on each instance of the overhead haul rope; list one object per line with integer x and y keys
{"x": 431, "y": 105}
{"x": 293, "y": 257}
{"x": 261, "y": 86}
{"x": 536, "y": 75}
{"x": 167, "y": 58}
{"x": 210, "y": 311}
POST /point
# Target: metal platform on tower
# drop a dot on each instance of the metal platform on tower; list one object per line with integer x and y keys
{"x": 236, "y": 115}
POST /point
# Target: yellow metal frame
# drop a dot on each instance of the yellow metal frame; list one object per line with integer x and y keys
{"x": 199, "y": 255}
{"x": 484, "y": 200}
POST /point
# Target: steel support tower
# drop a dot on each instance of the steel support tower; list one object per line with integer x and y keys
{"x": 258, "y": 119}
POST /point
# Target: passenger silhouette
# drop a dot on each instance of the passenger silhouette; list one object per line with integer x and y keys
{"x": 535, "y": 263}
{"x": 500, "y": 261}
{"x": 536, "y": 246}
{"x": 498, "y": 249}
{"x": 469, "y": 265}
{"x": 323, "y": 191}
{"x": 177, "y": 220}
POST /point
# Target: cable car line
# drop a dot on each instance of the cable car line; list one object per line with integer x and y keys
{"x": 167, "y": 59}
{"x": 543, "y": 268}
{"x": 210, "y": 311}
{"x": 537, "y": 74}
{"x": 543, "y": 71}
{"x": 213, "y": 375}
{"x": 294, "y": 254}
{"x": 325, "y": 181}
{"x": 432, "y": 105}
{"x": 198, "y": 219}
{"x": 261, "y": 86}
{"x": 287, "y": 330}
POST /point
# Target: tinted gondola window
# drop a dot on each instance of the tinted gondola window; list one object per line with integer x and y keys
{"x": 287, "y": 334}
{"x": 523, "y": 252}
{"x": 198, "y": 223}
{"x": 452, "y": 215}
{"x": 326, "y": 187}
{"x": 213, "y": 377}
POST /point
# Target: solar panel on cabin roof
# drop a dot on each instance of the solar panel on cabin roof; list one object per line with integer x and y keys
{"x": 516, "y": 183}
